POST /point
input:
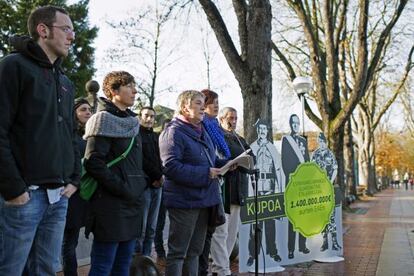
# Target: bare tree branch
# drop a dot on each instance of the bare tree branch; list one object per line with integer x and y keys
{"x": 285, "y": 61}
{"x": 396, "y": 91}
{"x": 240, "y": 8}
{"x": 224, "y": 39}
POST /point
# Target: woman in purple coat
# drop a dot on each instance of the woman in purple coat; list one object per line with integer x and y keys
{"x": 191, "y": 183}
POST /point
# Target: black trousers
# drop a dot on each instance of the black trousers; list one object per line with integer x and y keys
{"x": 292, "y": 239}
{"x": 270, "y": 237}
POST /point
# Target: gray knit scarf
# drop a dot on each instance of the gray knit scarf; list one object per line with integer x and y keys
{"x": 106, "y": 124}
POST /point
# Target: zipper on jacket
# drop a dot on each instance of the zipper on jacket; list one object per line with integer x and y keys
{"x": 59, "y": 119}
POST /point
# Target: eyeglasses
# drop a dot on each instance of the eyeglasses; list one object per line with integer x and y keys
{"x": 65, "y": 29}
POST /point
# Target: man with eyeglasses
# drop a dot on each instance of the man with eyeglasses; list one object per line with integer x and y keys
{"x": 39, "y": 158}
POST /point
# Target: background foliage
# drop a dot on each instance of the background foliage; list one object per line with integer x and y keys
{"x": 79, "y": 65}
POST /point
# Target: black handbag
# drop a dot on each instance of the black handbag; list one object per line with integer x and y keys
{"x": 216, "y": 214}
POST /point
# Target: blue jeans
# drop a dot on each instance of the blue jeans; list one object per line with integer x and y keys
{"x": 111, "y": 258}
{"x": 152, "y": 198}
{"x": 32, "y": 234}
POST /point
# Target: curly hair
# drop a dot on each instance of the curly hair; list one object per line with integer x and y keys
{"x": 114, "y": 80}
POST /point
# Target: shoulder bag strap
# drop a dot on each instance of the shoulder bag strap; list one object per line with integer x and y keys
{"x": 123, "y": 155}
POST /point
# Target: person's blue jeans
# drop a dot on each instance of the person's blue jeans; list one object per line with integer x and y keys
{"x": 111, "y": 258}
{"x": 152, "y": 199}
{"x": 31, "y": 235}
{"x": 70, "y": 241}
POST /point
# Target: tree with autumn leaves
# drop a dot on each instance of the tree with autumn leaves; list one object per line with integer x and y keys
{"x": 394, "y": 151}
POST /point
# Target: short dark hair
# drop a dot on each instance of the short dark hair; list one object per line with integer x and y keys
{"x": 210, "y": 96}
{"x": 45, "y": 15}
{"x": 114, "y": 80}
{"x": 322, "y": 137}
{"x": 146, "y": 108}
{"x": 291, "y": 119}
{"x": 261, "y": 122}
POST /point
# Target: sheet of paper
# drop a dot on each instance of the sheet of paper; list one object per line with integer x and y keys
{"x": 243, "y": 160}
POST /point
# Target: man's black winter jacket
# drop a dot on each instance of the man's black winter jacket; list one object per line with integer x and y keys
{"x": 37, "y": 137}
{"x": 151, "y": 151}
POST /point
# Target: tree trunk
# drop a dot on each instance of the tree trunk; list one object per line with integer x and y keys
{"x": 257, "y": 89}
{"x": 256, "y": 104}
{"x": 349, "y": 159}
{"x": 252, "y": 67}
{"x": 337, "y": 144}
{"x": 363, "y": 166}
{"x": 366, "y": 151}
{"x": 372, "y": 177}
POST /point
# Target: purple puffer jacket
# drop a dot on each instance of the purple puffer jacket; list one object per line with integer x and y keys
{"x": 186, "y": 167}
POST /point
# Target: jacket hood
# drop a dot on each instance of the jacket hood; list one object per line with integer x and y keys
{"x": 28, "y": 47}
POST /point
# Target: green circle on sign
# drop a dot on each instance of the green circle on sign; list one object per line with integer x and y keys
{"x": 309, "y": 199}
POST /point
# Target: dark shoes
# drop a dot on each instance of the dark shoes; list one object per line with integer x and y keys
{"x": 324, "y": 246}
{"x": 304, "y": 251}
{"x": 250, "y": 261}
{"x": 276, "y": 257}
{"x": 335, "y": 245}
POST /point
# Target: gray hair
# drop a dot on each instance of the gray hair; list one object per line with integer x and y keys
{"x": 223, "y": 112}
{"x": 185, "y": 97}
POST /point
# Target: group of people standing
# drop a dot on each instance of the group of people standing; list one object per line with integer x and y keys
{"x": 193, "y": 147}
{"x": 44, "y": 133}
{"x": 122, "y": 213}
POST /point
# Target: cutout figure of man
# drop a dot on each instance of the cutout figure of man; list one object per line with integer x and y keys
{"x": 270, "y": 181}
{"x": 294, "y": 152}
{"x": 326, "y": 161}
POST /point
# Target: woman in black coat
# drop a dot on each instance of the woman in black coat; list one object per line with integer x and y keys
{"x": 116, "y": 206}
{"x": 75, "y": 217}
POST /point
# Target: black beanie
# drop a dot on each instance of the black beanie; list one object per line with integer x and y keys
{"x": 79, "y": 102}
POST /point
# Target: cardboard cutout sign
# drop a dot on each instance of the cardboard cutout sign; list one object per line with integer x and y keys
{"x": 309, "y": 199}
{"x": 295, "y": 203}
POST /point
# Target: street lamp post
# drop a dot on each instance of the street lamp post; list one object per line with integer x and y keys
{"x": 302, "y": 86}
{"x": 92, "y": 88}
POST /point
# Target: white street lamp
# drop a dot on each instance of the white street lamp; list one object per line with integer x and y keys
{"x": 302, "y": 86}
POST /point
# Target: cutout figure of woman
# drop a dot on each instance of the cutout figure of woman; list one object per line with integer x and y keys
{"x": 325, "y": 159}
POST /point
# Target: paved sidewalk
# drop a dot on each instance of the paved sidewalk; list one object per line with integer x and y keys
{"x": 378, "y": 239}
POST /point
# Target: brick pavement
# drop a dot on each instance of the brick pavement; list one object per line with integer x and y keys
{"x": 389, "y": 213}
